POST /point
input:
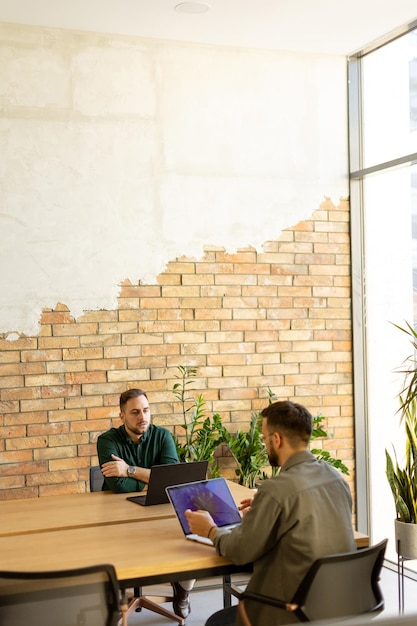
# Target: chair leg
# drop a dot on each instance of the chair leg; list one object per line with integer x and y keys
{"x": 146, "y": 603}
{"x": 241, "y": 609}
{"x": 137, "y": 603}
{"x": 123, "y": 609}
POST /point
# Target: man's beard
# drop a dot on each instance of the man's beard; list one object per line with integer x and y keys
{"x": 273, "y": 459}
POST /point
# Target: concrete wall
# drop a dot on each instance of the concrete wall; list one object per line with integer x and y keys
{"x": 165, "y": 204}
{"x": 119, "y": 154}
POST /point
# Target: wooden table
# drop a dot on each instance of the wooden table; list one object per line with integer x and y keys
{"x": 72, "y": 531}
{"x": 82, "y": 510}
{"x": 130, "y": 547}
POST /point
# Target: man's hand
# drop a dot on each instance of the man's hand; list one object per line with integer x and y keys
{"x": 199, "y": 522}
{"x": 245, "y": 505}
{"x": 118, "y": 467}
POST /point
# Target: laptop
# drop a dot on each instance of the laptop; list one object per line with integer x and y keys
{"x": 212, "y": 495}
{"x": 169, "y": 474}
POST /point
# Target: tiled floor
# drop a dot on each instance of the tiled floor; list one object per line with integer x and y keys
{"x": 206, "y": 598}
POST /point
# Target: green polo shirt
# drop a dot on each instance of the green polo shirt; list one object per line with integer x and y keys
{"x": 156, "y": 447}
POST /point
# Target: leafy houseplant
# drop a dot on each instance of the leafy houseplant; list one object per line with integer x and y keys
{"x": 402, "y": 477}
{"x": 203, "y": 433}
{"x": 249, "y": 452}
{"x": 403, "y": 480}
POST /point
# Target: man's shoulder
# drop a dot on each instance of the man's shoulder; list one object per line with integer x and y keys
{"x": 301, "y": 473}
{"x": 158, "y": 430}
{"x": 111, "y": 434}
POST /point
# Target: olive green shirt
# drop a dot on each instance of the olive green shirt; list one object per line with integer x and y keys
{"x": 300, "y": 515}
{"x": 156, "y": 447}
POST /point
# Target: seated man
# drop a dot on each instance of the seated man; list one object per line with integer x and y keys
{"x": 126, "y": 455}
{"x": 303, "y": 513}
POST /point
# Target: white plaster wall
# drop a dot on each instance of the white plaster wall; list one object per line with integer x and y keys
{"x": 119, "y": 154}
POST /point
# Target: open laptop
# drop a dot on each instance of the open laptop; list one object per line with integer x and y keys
{"x": 169, "y": 474}
{"x": 212, "y": 495}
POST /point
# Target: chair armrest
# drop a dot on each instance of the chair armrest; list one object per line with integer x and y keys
{"x": 234, "y": 590}
{"x": 258, "y": 597}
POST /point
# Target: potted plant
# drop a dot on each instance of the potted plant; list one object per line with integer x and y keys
{"x": 249, "y": 452}
{"x": 402, "y": 474}
{"x": 203, "y": 433}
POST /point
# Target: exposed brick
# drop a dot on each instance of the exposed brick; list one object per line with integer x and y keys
{"x": 85, "y": 377}
{"x": 42, "y": 356}
{"x": 67, "y": 415}
{"x": 65, "y": 330}
{"x": 34, "y": 417}
{"x": 12, "y": 482}
{"x": 8, "y": 432}
{"x": 90, "y": 341}
{"x": 47, "y": 429}
{"x": 279, "y": 318}
{"x": 82, "y": 353}
{"x": 48, "y": 343}
{"x": 17, "y": 494}
{"x": 61, "y": 489}
{"x": 47, "y": 404}
{"x": 16, "y": 456}
{"x": 13, "y": 469}
{"x": 27, "y": 443}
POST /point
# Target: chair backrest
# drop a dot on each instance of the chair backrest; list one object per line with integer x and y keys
{"x": 87, "y": 596}
{"x": 96, "y": 478}
{"x": 342, "y": 585}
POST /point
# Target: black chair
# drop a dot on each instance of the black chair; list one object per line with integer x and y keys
{"x": 137, "y": 601}
{"x": 96, "y": 478}
{"x": 88, "y": 596}
{"x": 335, "y": 586}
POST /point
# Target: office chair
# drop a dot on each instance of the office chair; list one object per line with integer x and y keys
{"x": 335, "y": 586}
{"x": 87, "y": 596}
{"x": 137, "y": 602}
{"x": 96, "y": 478}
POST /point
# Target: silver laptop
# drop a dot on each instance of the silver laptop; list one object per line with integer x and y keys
{"x": 169, "y": 474}
{"x": 211, "y": 495}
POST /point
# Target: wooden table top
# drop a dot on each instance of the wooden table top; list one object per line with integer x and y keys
{"x": 145, "y": 544}
{"x": 82, "y": 510}
{"x": 147, "y": 551}
{"x": 152, "y": 550}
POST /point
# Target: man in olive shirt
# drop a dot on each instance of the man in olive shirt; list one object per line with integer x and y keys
{"x": 302, "y": 514}
{"x": 126, "y": 455}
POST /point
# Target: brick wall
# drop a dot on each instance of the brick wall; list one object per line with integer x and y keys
{"x": 280, "y": 318}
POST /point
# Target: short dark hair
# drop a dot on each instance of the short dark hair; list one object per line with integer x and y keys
{"x": 291, "y": 420}
{"x": 127, "y": 395}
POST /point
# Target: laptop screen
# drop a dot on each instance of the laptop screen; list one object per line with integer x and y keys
{"x": 211, "y": 495}
{"x": 169, "y": 474}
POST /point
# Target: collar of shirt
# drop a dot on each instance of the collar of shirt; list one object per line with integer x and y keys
{"x": 143, "y": 439}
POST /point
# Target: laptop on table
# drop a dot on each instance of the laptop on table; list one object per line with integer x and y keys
{"x": 212, "y": 495}
{"x": 169, "y": 474}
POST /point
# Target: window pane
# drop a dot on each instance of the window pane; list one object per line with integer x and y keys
{"x": 389, "y": 84}
{"x": 389, "y": 252}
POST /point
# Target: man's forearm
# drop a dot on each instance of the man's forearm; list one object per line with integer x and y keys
{"x": 141, "y": 473}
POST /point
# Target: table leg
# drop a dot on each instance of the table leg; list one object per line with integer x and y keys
{"x": 227, "y": 598}
{"x": 123, "y": 608}
{"x": 400, "y": 569}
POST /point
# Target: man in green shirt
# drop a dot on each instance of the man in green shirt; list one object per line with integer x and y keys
{"x": 126, "y": 455}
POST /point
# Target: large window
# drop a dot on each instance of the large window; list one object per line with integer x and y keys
{"x": 383, "y": 156}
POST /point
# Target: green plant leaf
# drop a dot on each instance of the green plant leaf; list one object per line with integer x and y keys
{"x": 204, "y": 433}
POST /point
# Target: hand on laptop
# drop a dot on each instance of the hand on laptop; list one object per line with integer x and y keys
{"x": 200, "y": 522}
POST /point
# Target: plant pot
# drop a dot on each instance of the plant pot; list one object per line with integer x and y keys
{"x": 406, "y": 539}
